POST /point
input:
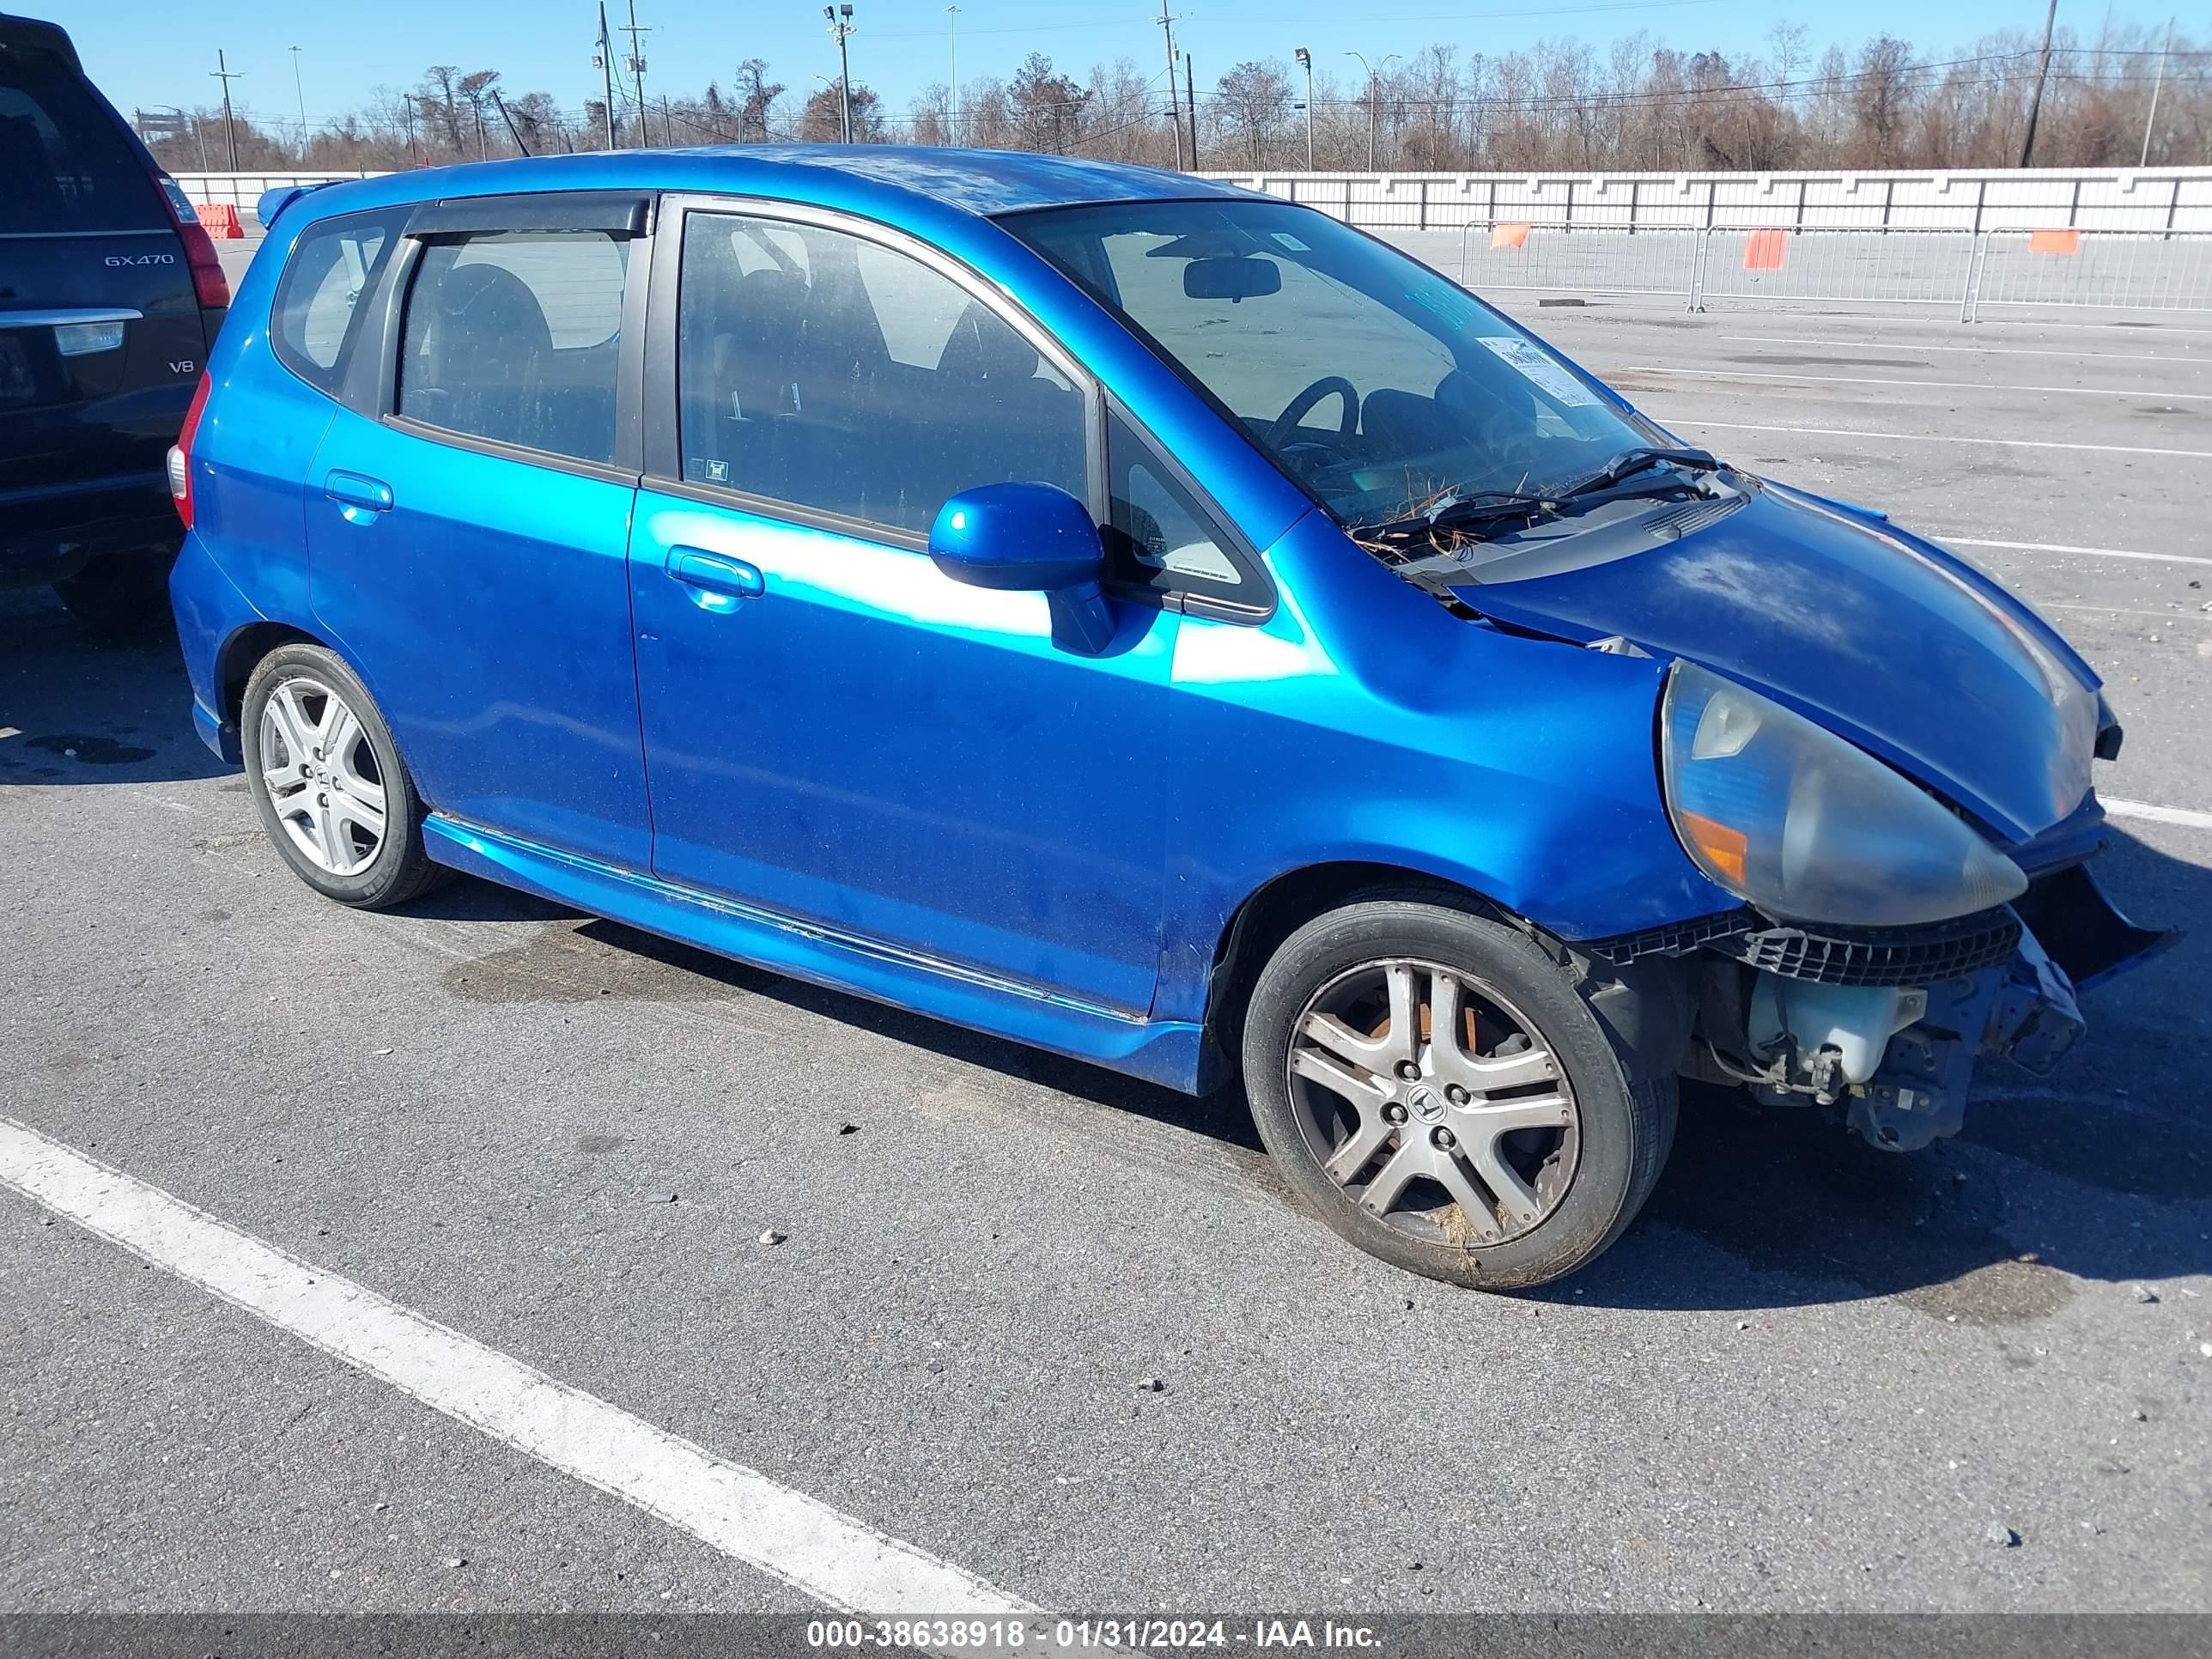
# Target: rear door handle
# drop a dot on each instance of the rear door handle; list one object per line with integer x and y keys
{"x": 356, "y": 490}
{"x": 715, "y": 574}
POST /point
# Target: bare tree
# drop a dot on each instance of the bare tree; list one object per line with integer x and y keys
{"x": 1254, "y": 101}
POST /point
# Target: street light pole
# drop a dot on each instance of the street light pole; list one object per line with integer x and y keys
{"x": 2157, "y": 84}
{"x": 1305, "y": 63}
{"x": 841, "y": 29}
{"x": 302, "y": 96}
{"x": 1375, "y": 96}
{"x": 952, "y": 29}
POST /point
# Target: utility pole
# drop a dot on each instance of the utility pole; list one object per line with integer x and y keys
{"x": 1175, "y": 112}
{"x": 2042, "y": 74}
{"x": 1375, "y": 96}
{"x": 1190, "y": 97}
{"x": 952, "y": 28}
{"x": 633, "y": 29}
{"x": 2157, "y": 84}
{"x": 1305, "y": 63}
{"x": 223, "y": 72}
{"x": 606, "y": 66}
{"x": 841, "y": 29}
{"x": 301, "y": 97}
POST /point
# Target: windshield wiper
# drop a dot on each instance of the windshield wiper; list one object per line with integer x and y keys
{"x": 1478, "y": 506}
{"x": 1635, "y": 460}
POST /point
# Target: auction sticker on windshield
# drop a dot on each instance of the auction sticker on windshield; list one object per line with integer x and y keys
{"x": 1549, "y": 376}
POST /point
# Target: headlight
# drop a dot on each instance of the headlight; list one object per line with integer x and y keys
{"x": 1808, "y": 828}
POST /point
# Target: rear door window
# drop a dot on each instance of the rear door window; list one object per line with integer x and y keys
{"x": 827, "y": 371}
{"x": 515, "y": 337}
{"x": 319, "y": 299}
{"x": 66, "y": 164}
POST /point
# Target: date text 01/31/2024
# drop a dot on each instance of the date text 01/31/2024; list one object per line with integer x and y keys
{"x": 1086, "y": 1634}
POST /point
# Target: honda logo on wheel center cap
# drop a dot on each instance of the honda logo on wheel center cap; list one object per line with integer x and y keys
{"x": 1428, "y": 1105}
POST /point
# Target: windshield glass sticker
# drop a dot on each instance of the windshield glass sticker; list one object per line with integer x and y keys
{"x": 1549, "y": 377}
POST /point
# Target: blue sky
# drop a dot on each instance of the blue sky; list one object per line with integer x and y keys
{"x": 145, "y": 52}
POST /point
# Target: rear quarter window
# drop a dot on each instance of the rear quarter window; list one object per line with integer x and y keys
{"x": 316, "y": 317}
{"x": 66, "y": 163}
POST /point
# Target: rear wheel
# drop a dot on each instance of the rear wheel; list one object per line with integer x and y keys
{"x": 1436, "y": 1087}
{"x": 125, "y": 592}
{"x": 332, "y": 791}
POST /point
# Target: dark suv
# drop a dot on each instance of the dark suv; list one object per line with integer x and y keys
{"x": 110, "y": 298}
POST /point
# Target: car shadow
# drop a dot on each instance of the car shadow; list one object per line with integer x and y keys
{"x": 2100, "y": 1172}
{"x": 85, "y": 708}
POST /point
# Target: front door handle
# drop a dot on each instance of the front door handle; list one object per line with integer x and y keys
{"x": 358, "y": 493}
{"x": 715, "y": 574}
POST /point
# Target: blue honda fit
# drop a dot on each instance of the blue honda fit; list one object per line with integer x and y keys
{"x": 1145, "y": 620}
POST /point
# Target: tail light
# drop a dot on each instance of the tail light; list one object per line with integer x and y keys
{"x": 180, "y": 453}
{"x": 209, "y": 283}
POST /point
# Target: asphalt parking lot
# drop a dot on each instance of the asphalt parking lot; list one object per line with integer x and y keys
{"x": 1812, "y": 1377}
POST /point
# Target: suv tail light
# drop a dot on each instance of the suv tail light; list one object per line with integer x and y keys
{"x": 209, "y": 283}
{"x": 181, "y": 452}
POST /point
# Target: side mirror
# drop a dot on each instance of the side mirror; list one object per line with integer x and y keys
{"x": 1033, "y": 538}
{"x": 1232, "y": 279}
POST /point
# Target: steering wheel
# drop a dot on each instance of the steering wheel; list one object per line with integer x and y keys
{"x": 1329, "y": 385}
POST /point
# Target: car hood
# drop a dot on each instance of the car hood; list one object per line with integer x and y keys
{"x": 1885, "y": 638}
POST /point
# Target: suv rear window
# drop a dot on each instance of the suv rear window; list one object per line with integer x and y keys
{"x": 68, "y": 163}
{"x": 333, "y": 264}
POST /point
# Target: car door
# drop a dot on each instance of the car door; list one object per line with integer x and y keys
{"x": 834, "y": 729}
{"x": 468, "y": 517}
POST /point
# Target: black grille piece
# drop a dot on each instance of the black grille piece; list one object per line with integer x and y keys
{"x": 1674, "y": 939}
{"x": 1885, "y": 956}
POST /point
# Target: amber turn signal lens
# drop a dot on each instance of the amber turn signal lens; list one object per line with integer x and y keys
{"x": 1723, "y": 848}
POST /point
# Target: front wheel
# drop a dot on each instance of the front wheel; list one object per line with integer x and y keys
{"x": 1436, "y": 1090}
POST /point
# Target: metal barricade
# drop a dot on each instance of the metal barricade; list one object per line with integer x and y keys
{"x": 1970, "y": 271}
{"x": 1500, "y": 254}
{"x": 2108, "y": 270}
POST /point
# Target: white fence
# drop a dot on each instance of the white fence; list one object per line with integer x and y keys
{"x": 242, "y": 189}
{"x": 2139, "y": 199}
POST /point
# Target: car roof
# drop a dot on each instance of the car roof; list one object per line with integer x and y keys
{"x": 976, "y": 181}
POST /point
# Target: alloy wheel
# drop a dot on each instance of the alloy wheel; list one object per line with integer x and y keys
{"x": 1433, "y": 1102}
{"x": 322, "y": 776}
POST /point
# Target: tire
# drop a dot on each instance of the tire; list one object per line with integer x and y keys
{"x": 317, "y": 806}
{"x": 120, "y": 594}
{"x": 1539, "y": 1093}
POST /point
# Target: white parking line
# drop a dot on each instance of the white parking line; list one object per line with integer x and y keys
{"x": 821, "y": 1551}
{"x": 1941, "y": 438}
{"x": 2139, "y": 809}
{"x": 1932, "y": 386}
{"x": 2122, "y": 611}
{"x": 1991, "y": 351}
{"x": 2062, "y": 547}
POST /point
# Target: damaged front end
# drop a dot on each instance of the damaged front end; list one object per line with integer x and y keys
{"x": 1886, "y": 1024}
{"x": 1885, "y": 942}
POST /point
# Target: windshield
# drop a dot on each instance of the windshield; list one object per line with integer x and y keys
{"x": 1379, "y": 385}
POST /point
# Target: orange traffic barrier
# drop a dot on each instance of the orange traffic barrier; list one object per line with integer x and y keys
{"x": 1763, "y": 250}
{"x": 2054, "y": 241}
{"x": 220, "y": 219}
{"x": 1508, "y": 236}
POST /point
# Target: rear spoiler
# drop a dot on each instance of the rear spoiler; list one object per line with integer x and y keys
{"x": 274, "y": 201}
{"x": 30, "y": 35}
